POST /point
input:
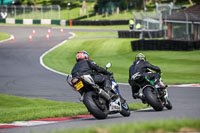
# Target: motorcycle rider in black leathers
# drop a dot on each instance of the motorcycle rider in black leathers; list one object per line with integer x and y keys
{"x": 141, "y": 65}
{"x": 85, "y": 66}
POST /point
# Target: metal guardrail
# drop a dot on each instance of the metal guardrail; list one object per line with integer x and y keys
{"x": 30, "y": 12}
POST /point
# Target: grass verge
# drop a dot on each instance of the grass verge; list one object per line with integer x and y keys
{"x": 14, "y": 108}
{"x": 164, "y": 126}
{"x": 108, "y": 27}
{"x": 179, "y": 67}
{"x": 4, "y": 36}
{"x": 96, "y": 34}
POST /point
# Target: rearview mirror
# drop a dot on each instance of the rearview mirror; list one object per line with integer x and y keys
{"x": 108, "y": 65}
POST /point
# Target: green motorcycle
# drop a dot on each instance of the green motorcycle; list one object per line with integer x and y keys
{"x": 154, "y": 95}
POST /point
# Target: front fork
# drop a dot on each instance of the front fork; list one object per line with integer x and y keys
{"x": 164, "y": 97}
{"x": 115, "y": 87}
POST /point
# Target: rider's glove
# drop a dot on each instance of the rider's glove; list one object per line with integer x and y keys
{"x": 159, "y": 72}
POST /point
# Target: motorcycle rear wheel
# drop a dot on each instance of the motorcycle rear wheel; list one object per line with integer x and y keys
{"x": 91, "y": 102}
{"x": 152, "y": 99}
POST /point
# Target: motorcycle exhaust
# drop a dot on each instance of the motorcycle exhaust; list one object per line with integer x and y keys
{"x": 104, "y": 94}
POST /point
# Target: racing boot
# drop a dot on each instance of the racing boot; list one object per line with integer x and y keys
{"x": 139, "y": 96}
{"x": 136, "y": 95}
{"x": 142, "y": 98}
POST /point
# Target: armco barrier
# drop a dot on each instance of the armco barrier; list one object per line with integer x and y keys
{"x": 100, "y": 22}
{"x": 37, "y": 21}
{"x": 57, "y": 22}
{"x": 45, "y": 21}
{"x": 2, "y": 21}
{"x": 171, "y": 45}
{"x": 66, "y": 22}
{"x": 138, "y": 33}
{"x": 18, "y": 21}
{"x": 10, "y": 21}
{"x": 27, "y": 21}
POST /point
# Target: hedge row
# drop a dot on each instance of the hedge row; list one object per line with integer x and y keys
{"x": 172, "y": 45}
{"x": 138, "y": 34}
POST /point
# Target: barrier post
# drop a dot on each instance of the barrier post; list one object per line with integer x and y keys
{"x": 70, "y": 22}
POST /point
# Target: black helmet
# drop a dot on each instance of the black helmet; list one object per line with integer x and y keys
{"x": 82, "y": 55}
{"x": 140, "y": 56}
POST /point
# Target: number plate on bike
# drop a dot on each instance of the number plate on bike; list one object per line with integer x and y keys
{"x": 79, "y": 85}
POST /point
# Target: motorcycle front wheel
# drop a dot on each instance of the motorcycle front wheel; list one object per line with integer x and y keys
{"x": 97, "y": 107}
{"x": 168, "y": 105}
{"x": 125, "y": 110}
{"x": 152, "y": 99}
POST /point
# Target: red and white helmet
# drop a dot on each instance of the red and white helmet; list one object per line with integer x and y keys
{"x": 82, "y": 55}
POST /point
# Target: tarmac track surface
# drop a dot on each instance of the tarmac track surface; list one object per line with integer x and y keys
{"x": 21, "y": 74}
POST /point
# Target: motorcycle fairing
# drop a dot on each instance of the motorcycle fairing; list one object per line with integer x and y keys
{"x": 115, "y": 105}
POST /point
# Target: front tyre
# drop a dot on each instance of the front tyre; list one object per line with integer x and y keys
{"x": 125, "y": 110}
{"x": 168, "y": 105}
{"x": 152, "y": 99}
{"x": 97, "y": 108}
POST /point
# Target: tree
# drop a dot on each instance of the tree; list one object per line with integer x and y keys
{"x": 19, "y": 2}
{"x": 59, "y": 2}
{"x": 31, "y": 2}
{"x": 124, "y": 3}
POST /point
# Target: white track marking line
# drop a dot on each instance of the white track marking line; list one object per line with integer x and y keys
{"x": 41, "y": 57}
{"x": 73, "y": 35}
{"x": 28, "y": 123}
{"x": 150, "y": 108}
{"x": 7, "y": 39}
{"x": 185, "y": 85}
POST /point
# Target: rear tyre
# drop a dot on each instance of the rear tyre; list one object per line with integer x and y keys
{"x": 152, "y": 99}
{"x": 98, "y": 109}
{"x": 168, "y": 105}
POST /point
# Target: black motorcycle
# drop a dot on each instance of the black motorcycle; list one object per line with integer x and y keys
{"x": 153, "y": 94}
{"x": 98, "y": 102}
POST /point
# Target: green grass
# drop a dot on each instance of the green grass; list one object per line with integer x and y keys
{"x": 178, "y": 67}
{"x": 109, "y": 27}
{"x": 164, "y": 126}
{"x": 14, "y": 108}
{"x": 4, "y": 36}
{"x": 97, "y": 34}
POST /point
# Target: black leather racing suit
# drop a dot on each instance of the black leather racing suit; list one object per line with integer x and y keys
{"x": 142, "y": 67}
{"x": 89, "y": 67}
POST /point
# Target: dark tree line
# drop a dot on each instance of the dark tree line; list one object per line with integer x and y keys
{"x": 123, "y": 4}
